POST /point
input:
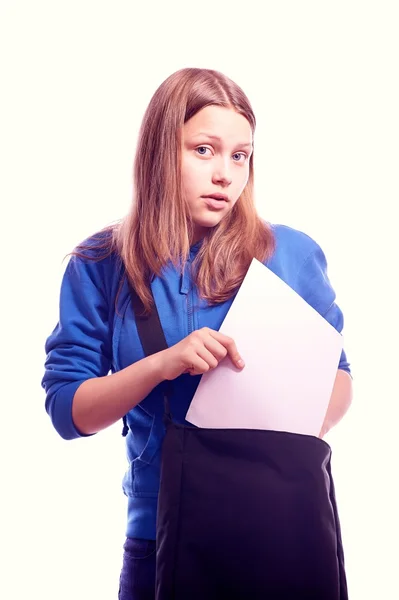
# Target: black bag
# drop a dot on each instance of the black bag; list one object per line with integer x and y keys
{"x": 243, "y": 514}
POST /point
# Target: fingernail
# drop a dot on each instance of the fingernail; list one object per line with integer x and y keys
{"x": 240, "y": 363}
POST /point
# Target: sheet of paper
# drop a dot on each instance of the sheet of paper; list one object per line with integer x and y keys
{"x": 291, "y": 355}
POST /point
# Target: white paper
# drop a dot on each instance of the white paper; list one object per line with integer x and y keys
{"x": 291, "y": 356}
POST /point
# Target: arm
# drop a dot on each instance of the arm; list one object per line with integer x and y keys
{"x": 81, "y": 398}
{"x": 316, "y": 289}
{"x": 340, "y": 401}
{"x": 100, "y": 402}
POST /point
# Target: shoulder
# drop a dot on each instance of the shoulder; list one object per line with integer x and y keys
{"x": 96, "y": 247}
{"x": 301, "y": 263}
{"x": 292, "y": 249}
{"x": 99, "y": 249}
{"x": 290, "y": 241}
{"x": 96, "y": 259}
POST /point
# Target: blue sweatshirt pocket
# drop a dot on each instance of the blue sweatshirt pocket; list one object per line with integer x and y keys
{"x": 142, "y": 477}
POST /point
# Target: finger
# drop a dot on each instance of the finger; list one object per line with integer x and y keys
{"x": 215, "y": 348}
{"x": 207, "y": 356}
{"x": 230, "y": 346}
{"x": 215, "y": 342}
{"x": 196, "y": 365}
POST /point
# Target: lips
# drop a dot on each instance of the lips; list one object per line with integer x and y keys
{"x": 217, "y": 197}
{"x": 217, "y": 202}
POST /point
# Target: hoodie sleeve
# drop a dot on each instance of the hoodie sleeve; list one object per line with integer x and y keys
{"x": 315, "y": 287}
{"x": 79, "y": 348}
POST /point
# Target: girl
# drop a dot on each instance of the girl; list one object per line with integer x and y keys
{"x": 190, "y": 237}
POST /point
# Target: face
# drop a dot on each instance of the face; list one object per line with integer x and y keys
{"x": 216, "y": 147}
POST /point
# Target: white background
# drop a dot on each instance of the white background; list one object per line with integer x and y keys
{"x": 76, "y": 77}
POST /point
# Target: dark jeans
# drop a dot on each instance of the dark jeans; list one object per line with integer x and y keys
{"x": 137, "y": 580}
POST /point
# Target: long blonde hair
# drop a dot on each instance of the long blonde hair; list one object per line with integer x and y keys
{"x": 158, "y": 228}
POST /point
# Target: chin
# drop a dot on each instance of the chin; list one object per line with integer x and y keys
{"x": 208, "y": 221}
{"x": 205, "y": 227}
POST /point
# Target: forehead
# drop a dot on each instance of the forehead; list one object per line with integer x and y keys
{"x": 224, "y": 123}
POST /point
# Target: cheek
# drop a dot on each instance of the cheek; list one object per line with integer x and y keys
{"x": 193, "y": 175}
{"x": 241, "y": 181}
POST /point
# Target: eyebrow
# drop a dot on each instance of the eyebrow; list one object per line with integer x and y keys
{"x": 218, "y": 139}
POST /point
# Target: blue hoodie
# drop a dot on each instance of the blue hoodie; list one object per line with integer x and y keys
{"x": 92, "y": 338}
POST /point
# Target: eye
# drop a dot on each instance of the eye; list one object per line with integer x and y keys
{"x": 239, "y": 155}
{"x": 202, "y": 150}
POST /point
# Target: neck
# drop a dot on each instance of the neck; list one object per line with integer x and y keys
{"x": 198, "y": 235}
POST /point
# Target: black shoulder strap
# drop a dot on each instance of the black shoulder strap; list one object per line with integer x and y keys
{"x": 152, "y": 339}
{"x": 149, "y": 327}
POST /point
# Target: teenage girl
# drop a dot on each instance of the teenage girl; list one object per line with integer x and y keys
{"x": 190, "y": 236}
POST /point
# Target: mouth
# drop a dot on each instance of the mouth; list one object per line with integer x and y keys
{"x": 221, "y": 197}
{"x": 216, "y": 201}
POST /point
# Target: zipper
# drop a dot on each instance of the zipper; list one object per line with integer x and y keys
{"x": 188, "y": 288}
{"x": 190, "y": 312}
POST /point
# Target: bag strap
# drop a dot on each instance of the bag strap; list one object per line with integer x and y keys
{"x": 153, "y": 340}
{"x": 149, "y": 327}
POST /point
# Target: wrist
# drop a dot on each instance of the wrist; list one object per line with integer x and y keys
{"x": 156, "y": 364}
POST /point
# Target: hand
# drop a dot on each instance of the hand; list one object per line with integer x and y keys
{"x": 199, "y": 352}
{"x": 323, "y": 432}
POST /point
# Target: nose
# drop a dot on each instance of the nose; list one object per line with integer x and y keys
{"x": 221, "y": 173}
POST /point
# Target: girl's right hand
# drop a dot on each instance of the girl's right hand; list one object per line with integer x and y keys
{"x": 199, "y": 352}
